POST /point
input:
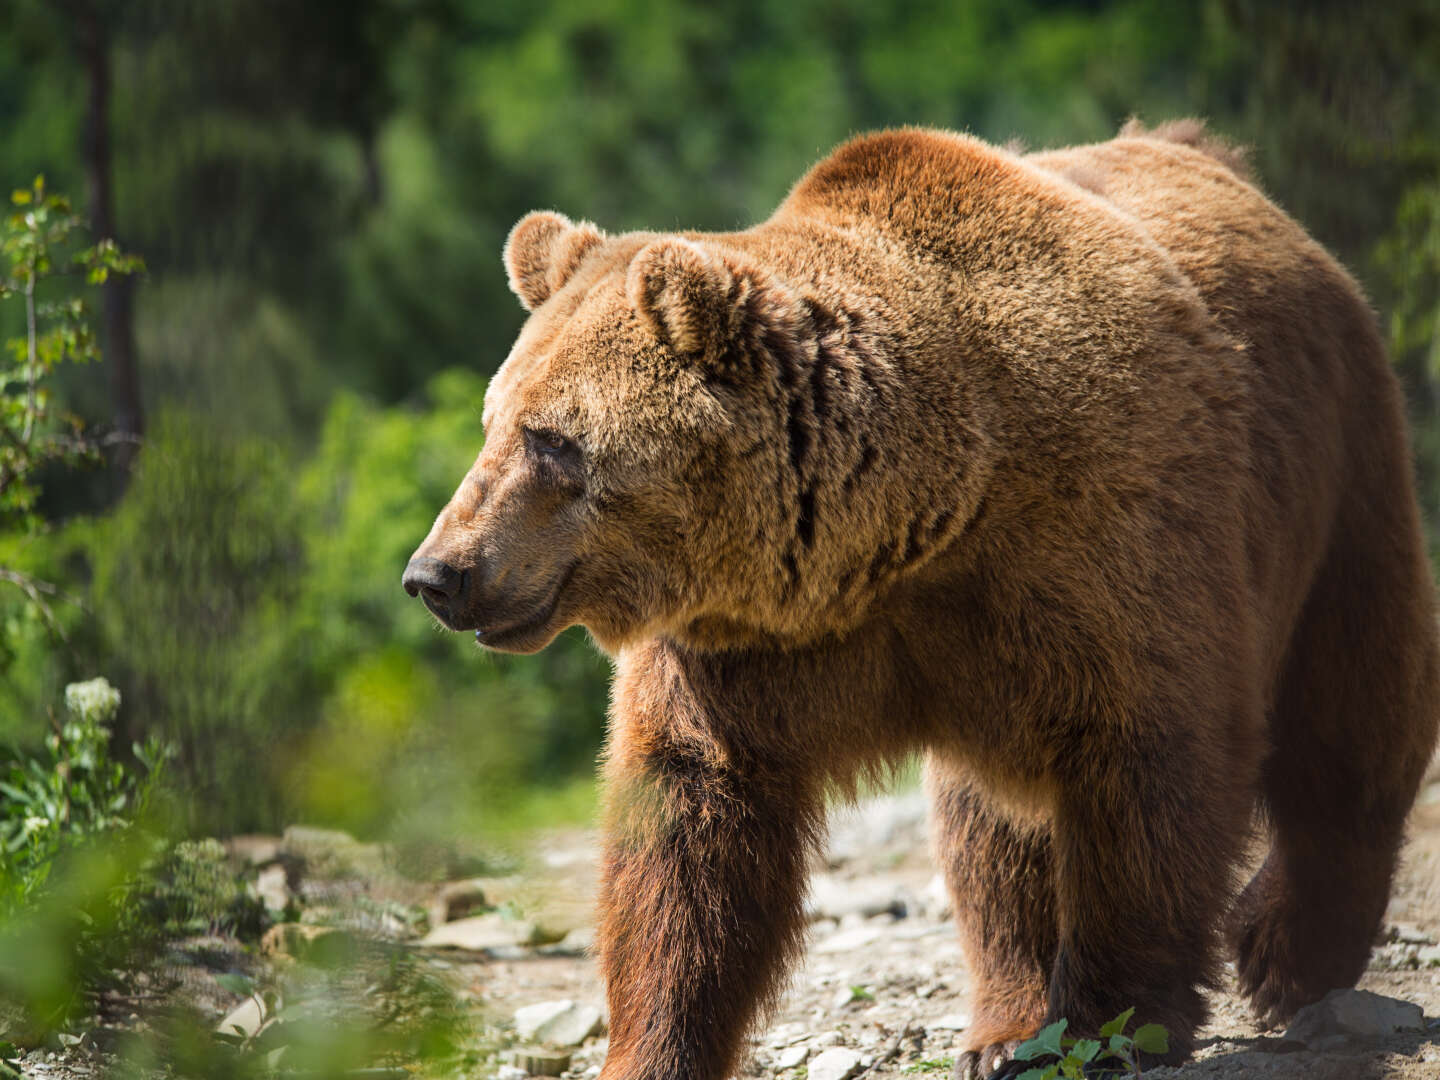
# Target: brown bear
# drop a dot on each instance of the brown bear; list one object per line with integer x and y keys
{"x": 1082, "y": 472}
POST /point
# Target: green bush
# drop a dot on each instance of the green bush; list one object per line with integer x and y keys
{"x": 417, "y": 730}
{"x": 254, "y": 615}
{"x": 189, "y": 575}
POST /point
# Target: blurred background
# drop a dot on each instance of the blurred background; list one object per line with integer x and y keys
{"x": 214, "y": 517}
{"x": 320, "y": 190}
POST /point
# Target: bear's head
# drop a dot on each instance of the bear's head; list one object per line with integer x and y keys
{"x": 662, "y": 456}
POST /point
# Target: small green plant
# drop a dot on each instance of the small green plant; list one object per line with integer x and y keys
{"x": 70, "y": 793}
{"x": 1114, "y": 1053}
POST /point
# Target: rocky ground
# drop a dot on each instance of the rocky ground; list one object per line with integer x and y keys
{"x": 881, "y": 992}
{"x": 882, "y": 989}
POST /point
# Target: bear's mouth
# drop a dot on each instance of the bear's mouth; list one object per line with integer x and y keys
{"x": 526, "y": 634}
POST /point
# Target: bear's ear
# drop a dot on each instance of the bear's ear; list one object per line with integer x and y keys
{"x": 685, "y": 293}
{"x": 542, "y": 251}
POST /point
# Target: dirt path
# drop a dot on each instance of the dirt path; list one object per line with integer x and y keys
{"x": 884, "y": 977}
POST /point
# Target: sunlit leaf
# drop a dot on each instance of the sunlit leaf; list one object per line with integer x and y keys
{"x": 1152, "y": 1039}
{"x": 1046, "y": 1041}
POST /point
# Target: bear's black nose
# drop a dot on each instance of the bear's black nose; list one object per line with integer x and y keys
{"x": 439, "y": 582}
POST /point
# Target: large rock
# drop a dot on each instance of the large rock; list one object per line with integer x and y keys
{"x": 1351, "y": 1014}
{"x": 481, "y": 932}
{"x": 559, "y": 1023}
{"x": 253, "y": 850}
{"x": 330, "y": 853}
{"x": 834, "y": 1064}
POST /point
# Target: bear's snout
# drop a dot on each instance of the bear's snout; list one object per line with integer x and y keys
{"x": 436, "y": 582}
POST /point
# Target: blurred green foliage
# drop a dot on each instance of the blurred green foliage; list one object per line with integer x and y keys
{"x": 321, "y": 191}
{"x": 69, "y": 793}
{"x": 73, "y": 821}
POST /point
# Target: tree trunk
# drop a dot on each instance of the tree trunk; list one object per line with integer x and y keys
{"x": 118, "y": 303}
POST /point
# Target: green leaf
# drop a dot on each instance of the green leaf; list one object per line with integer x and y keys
{"x": 1085, "y": 1049}
{"x": 1048, "y": 1073}
{"x": 1152, "y": 1039}
{"x": 236, "y": 983}
{"x": 1046, "y": 1041}
{"x": 20, "y": 197}
{"x": 1117, "y": 1026}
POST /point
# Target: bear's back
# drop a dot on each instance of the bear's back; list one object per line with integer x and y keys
{"x": 1130, "y": 287}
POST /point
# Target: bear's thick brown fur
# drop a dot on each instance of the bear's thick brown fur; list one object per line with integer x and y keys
{"x": 1083, "y": 472}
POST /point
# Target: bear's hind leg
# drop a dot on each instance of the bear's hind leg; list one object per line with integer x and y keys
{"x": 999, "y": 878}
{"x": 1353, "y": 728}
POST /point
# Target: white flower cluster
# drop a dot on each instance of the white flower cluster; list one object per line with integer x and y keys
{"x": 93, "y": 701}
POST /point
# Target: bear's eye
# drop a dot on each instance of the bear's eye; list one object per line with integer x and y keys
{"x": 549, "y": 443}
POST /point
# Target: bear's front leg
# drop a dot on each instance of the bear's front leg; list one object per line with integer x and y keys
{"x": 701, "y": 902}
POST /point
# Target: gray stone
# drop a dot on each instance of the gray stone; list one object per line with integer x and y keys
{"x": 786, "y": 1034}
{"x": 853, "y": 938}
{"x": 848, "y": 995}
{"x": 949, "y": 1022}
{"x": 1353, "y": 1014}
{"x": 834, "y": 1064}
{"x": 792, "y": 1057}
{"x": 559, "y": 1023}
{"x": 479, "y": 932}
